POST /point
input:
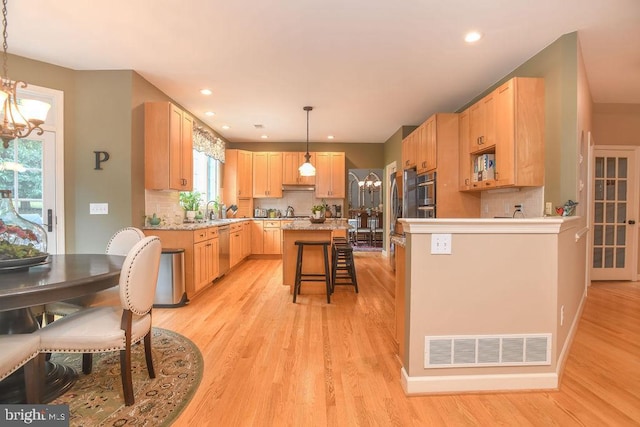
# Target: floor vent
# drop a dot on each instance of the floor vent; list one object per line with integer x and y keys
{"x": 487, "y": 350}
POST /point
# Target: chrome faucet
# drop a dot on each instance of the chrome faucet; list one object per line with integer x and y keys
{"x": 209, "y": 215}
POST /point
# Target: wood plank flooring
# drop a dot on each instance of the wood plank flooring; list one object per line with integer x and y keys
{"x": 269, "y": 362}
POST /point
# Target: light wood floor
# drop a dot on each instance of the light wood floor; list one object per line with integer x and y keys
{"x": 269, "y": 362}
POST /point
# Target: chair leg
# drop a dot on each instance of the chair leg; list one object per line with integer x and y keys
{"x": 148, "y": 356}
{"x": 87, "y": 363}
{"x": 34, "y": 379}
{"x": 125, "y": 374}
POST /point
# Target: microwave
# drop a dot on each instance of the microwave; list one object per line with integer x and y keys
{"x": 426, "y": 191}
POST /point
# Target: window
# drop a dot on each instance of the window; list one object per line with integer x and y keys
{"x": 206, "y": 176}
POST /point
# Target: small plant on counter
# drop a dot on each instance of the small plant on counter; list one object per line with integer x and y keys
{"x": 190, "y": 200}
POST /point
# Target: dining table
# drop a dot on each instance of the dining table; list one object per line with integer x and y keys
{"x": 56, "y": 278}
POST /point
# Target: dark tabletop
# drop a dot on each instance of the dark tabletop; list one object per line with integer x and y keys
{"x": 62, "y": 277}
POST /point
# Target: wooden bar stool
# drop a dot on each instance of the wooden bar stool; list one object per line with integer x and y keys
{"x": 343, "y": 265}
{"x": 312, "y": 277}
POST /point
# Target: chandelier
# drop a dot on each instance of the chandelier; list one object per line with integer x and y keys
{"x": 371, "y": 182}
{"x": 307, "y": 169}
{"x": 20, "y": 117}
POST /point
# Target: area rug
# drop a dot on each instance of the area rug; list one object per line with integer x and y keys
{"x": 96, "y": 399}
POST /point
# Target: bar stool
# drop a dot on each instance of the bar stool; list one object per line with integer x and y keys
{"x": 343, "y": 265}
{"x": 312, "y": 277}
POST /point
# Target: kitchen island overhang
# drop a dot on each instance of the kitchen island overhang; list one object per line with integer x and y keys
{"x": 508, "y": 286}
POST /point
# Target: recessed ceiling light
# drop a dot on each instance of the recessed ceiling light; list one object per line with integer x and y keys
{"x": 205, "y": 91}
{"x": 330, "y": 137}
{"x": 210, "y": 113}
{"x": 225, "y": 127}
{"x": 472, "y": 37}
{"x": 264, "y": 136}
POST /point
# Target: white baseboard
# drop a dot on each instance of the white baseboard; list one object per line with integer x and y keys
{"x": 478, "y": 383}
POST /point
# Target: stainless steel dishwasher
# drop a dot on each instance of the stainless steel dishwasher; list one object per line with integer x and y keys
{"x": 223, "y": 242}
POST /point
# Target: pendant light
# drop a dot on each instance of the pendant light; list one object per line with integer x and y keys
{"x": 20, "y": 116}
{"x": 307, "y": 169}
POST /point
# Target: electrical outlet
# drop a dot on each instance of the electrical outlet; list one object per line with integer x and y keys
{"x": 548, "y": 208}
{"x": 98, "y": 208}
{"x": 441, "y": 244}
{"x": 486, "y": 208}
{"x": 507, "y": 208}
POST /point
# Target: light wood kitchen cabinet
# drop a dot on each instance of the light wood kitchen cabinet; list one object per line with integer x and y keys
{"x": 410, "y": 150}
{"x": 272, "y": 238}
{"x": 427, "y": 146}
{"x": 330, "y": 175}
{"x": 267, "y": 174}
{"x": 257, "y": 237}
{"x": 246, "y": 239}
{"x": 235, "y": 244}
{"x": 201, "y": 253}
{"x": 206, "y": 264}
{"x": 168, "y": 152}
{"x": 464, "y": 159}
{"x": 291, "y": 161}
{"x": 482, "y": 124}
{"x": 517, "y": 139}
{"x": 237, "y": 181}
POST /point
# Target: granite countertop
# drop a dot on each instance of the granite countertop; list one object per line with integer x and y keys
{"x": 190, "y": 226}
{"x": 329, "y": 224}
{"x": 399, "y": 240}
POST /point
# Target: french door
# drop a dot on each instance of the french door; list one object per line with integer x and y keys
{"x": 614, "y": 213}
{"x": 32, "y": 168}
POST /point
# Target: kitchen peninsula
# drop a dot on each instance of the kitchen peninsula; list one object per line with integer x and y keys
{"x": 313, "y": 260}
{"x": 489, "y": 304}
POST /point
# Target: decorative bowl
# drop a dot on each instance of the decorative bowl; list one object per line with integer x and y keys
{"x": 317, "y": 220}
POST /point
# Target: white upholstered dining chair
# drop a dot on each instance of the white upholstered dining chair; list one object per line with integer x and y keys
{"x": 119, "y": 244}
{"x": 110, "y": 328}
{"x": 22, "y": 350}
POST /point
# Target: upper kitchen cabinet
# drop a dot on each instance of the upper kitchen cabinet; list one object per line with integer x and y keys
{"x": 168, "y": 152}
{"x": 267, "y": 174}
{"x": 512, "y": 152}
{"x": 426, "y": 153}
{"x": 482, "y": 124}
{"x": 291, "y": 161}
{"x": 237, "y": 178}
{"x": 330, "y": 175}
{"x": 410, "y": 149}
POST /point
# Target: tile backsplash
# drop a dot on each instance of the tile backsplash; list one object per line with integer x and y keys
{"x": 302, "y": 201}
{"x": 501, "y": 202}
{"x": 166, "y": 204}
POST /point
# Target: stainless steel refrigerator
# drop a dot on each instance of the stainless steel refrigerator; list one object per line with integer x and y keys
{"x": 410, "y": 194}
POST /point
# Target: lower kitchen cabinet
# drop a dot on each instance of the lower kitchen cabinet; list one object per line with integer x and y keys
{"x": 246, "y": 239}
{"x": 206, "y": 267}
{"x": 272, "y": 238}
{"x": 235, "y": 244}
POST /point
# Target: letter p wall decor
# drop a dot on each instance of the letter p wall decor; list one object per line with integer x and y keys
{"x": 101, "y": 157}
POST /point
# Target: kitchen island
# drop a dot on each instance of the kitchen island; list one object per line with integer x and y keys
{"x": 313, "y": 258}
{"x": 490, "y": 304}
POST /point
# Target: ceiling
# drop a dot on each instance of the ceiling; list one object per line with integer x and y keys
{"x": 367, "y": 67}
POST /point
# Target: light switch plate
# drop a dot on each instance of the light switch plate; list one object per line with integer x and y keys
{"x": 441, "y": 244}
{"x": 98, "y": 208}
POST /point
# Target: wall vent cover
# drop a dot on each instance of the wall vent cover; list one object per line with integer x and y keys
{"x": 487, "y": 350}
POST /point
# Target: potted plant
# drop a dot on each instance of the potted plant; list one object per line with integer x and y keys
{"x": 317, "y": 211}
{"x": 190, "y": 202}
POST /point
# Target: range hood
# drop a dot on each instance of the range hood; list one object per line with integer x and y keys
{"x": 299, "y": 187}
